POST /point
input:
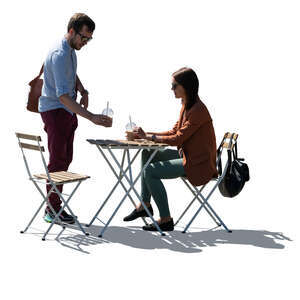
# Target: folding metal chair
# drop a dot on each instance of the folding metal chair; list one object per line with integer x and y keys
{"x": 53, "y": 179}
{"x": 228, "y": 143}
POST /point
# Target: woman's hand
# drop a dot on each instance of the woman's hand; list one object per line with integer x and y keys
{"x": 139, "y": 133}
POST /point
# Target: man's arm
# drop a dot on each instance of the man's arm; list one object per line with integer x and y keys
{"x": 76, "y": 108}
{"x": 62, "y": 92}
{"x": 84, "y": 101}
{"x": 79, "y": 86}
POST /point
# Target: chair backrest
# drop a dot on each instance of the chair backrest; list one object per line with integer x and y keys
{"x": 31, "y": 146}
{"x": 36, "y": 138}
{"x": 228, "y": 142}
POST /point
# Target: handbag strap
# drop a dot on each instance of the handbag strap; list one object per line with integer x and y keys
{"x": 235, "y": 153}
{"x": 37, "y": 77}
{"x": 229, "y": 151}
{"x": 219, "y": 154}
{"x": 41, "y": 71}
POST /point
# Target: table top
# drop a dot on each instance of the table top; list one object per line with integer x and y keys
{"x": 138, "y": 143}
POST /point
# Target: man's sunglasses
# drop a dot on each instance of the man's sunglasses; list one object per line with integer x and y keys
{"x": 174, "y": 85}
{"x": 84, "y": 38}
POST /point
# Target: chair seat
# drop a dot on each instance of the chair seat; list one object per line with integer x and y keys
{"x": 62, "y": 177}
{"x": 213, "y": 179}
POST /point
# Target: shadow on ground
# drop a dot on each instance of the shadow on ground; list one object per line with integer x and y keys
{"x": 190, "y": 242}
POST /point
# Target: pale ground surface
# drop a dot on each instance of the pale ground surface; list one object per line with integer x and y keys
{"x": 246, "y": 55}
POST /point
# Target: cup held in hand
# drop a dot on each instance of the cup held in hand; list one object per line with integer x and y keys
{"x": 130, "y": 135}
{"x": 109, "y": 113}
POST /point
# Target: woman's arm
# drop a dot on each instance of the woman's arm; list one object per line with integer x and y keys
{"x": 169, "y": 132}
{"x": 194, "y": 121}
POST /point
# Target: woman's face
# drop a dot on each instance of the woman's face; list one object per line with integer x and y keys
{"x": 178, "y": 89}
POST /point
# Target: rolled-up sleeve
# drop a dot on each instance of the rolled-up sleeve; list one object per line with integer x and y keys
{"x": 60, "y": 73}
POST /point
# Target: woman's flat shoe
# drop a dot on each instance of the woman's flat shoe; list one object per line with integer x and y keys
{"x": 137, "y": 214}
{"x": 166, "y": 226}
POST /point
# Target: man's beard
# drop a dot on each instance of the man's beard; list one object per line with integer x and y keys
{"x": 72, "y": 44}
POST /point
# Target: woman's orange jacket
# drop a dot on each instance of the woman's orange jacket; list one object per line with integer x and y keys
{"x": 194, "y": 135}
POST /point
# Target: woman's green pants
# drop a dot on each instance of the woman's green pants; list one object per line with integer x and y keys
{"x": 166, "y": 164}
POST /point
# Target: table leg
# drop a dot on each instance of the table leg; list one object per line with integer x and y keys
{"x": 132, "y": 186}
{"x": 119, "y": 177}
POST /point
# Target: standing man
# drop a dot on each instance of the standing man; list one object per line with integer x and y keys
{"x": 58, "y": 106}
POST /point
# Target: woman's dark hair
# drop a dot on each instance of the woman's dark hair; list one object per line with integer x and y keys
{"x": 189, "y": 80}
{"x": 78, "y": 20}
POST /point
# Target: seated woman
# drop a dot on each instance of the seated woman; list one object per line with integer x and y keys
{"x": 194, "y": 136}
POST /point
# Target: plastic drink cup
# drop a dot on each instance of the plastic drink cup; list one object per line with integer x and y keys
{"x": 129, "y": 130}
{"x": 130, "y": 135}
{"x": 108, "y": 112}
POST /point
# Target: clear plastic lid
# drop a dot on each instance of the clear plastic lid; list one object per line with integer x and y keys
{"x": 130, "y": 126}
{"x": 108, "y": 112}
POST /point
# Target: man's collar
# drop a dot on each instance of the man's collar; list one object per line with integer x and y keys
{"x": 66, "y": 44}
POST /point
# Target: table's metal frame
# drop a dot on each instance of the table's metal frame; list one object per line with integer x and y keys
{"x": 122, "y": 174}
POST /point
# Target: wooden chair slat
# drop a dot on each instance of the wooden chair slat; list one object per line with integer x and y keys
{"x": 28, "y": 136}
{"x": 32, "y": 147}
{"x": 70, "y": 174}
{"x": 41, "y": 176}
{"x": 228, "y": 135}
{"x": 63, "y": 176}
{"x": 57, "y": 177}
{"x": 54, "y": 178}
{"x": 226, "y": 145}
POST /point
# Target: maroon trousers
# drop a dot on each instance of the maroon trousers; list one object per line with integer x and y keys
{"x": 60, "y": 126}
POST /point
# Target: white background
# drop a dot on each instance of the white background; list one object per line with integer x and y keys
{"x": 246, "y": 55}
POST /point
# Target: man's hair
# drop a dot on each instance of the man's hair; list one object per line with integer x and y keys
{"x": 78, "y": 20}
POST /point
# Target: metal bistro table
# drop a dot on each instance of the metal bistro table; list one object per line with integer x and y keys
{"x": 111, "y": 146}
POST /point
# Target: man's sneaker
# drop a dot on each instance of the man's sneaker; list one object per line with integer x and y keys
{"x": 66, "y": 215}
{"x": 64, "y": 218}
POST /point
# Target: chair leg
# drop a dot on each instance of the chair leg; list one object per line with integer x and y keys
{"x": 40, "y": 207}
{"x": 208, "y": 210}
{"x": 184, "y": 212}
{"x": 220, "y": 220}
{"x": 205, "y": 202}
{"x": 34, "y": 216}
{"x": 65, "y": 205}
{"x": 196, "y": 194}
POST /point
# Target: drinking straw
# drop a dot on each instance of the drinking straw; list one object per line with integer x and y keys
{"x": 107, "y": 107}
{"x": 130, "y": 122}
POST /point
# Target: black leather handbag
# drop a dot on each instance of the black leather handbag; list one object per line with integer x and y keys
{"x": 236, "y": 175}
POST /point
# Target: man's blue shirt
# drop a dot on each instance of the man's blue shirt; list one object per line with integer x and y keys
{"x": 59, "y": 77}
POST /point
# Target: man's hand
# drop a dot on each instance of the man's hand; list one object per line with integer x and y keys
{"x": 102, "y": 120}
{"x": 84, "y": 100}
